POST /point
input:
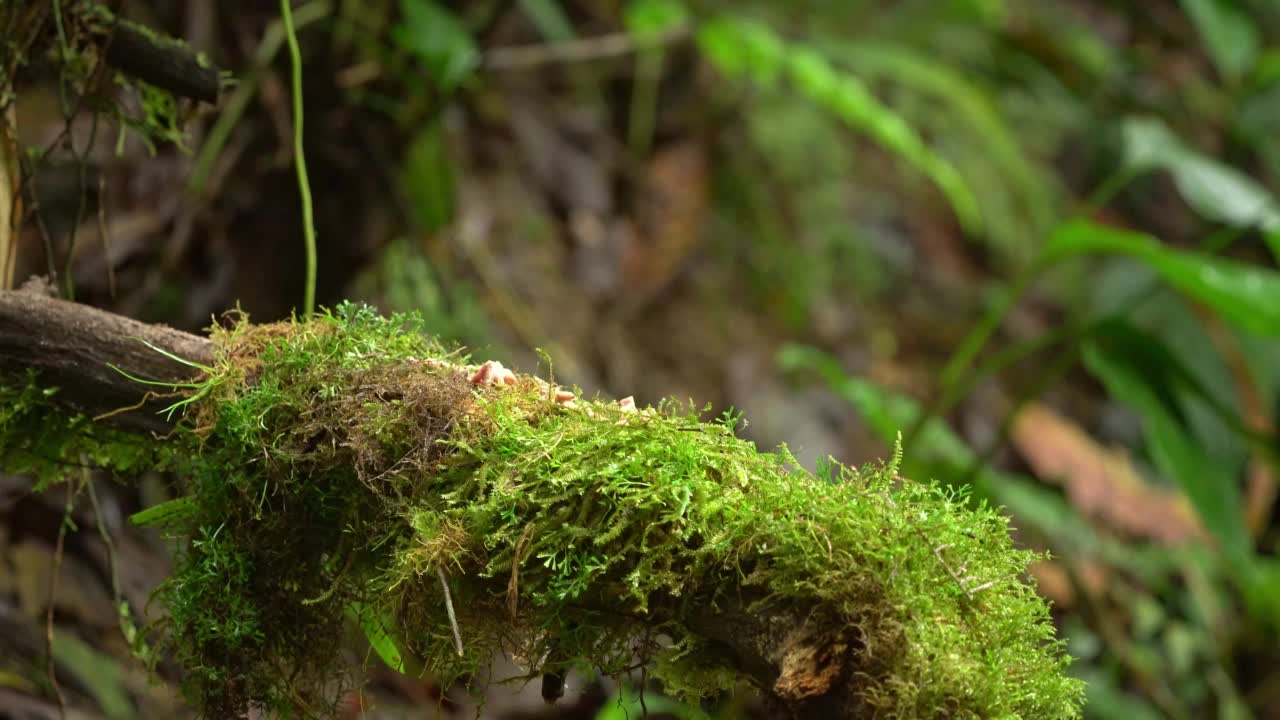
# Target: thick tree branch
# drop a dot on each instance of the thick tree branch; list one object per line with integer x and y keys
{"x": 73, "y": 347}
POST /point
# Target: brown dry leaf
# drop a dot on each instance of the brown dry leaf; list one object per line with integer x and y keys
{"x": 670, "y": 219}
{"x": 1101, "y": 482}
{"x": 1054, "y": 582}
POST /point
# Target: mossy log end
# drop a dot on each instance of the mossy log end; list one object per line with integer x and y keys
{"x": 350, "y": 469}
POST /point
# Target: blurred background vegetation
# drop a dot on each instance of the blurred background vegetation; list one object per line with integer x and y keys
{"x": 1038, "y": 239}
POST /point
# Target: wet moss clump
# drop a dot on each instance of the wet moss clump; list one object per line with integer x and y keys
{"x": 347, "y": 470}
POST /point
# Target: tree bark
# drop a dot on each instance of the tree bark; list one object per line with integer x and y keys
{"x": 74, "y": 348}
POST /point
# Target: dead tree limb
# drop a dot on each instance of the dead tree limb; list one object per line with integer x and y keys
{"x": 74, "y": 347}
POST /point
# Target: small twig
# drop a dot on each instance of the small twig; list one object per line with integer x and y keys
{"x": 163, "y": 62}
{"x": 125, "y": 617}
{"x": 53, "y": 594}
{"x": 448, "y": 606}
{"x": 937, "y": 552}
{"x": 981, "y": 587}
{"x": 334, "y": 586}
{"x": 644, "y": 673}
{"x": 513, "y": 585}
{"x": 528, "y": 57}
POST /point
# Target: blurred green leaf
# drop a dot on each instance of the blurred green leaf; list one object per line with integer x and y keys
{"x": 1136, "y": 370}
{"x": 438, "y": 38}
{"x": 982, "y": 137}
{"x": 1244, "y": 295}
{"x": 1214, "y": 190}
{"x": 650, "y": 18}
{"x": 717, "y": 40}
{"x": 375, "y": 630}
{"x": 1267, "y": 69}
{"x": 740, "y": 47}
{"x": 628, "y": 706}
{"x": 1228, "y": 33}
{"x": 428, "y": 180}
{"x": 1204, "y": 386}
{"x": 938, "y": 453}
{"x": 100, "y": 674}
{"x": 1107, "y": 701}
{"x": 549, "y": 18}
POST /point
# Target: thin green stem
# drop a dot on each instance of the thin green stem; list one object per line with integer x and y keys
{"x": 963, "y": 357}
{"x": 644, "y": 101}
{"x": 235, "y": 107}
{"x": 300, "y": 161}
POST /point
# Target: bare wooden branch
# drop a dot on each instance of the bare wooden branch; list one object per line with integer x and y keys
{"x": 73, "y": 347}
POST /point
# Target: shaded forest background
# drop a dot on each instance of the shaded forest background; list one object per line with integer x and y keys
{"x": 1039, "y": 239}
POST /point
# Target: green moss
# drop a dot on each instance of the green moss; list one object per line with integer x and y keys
{"x": 343, "y": 465}
{"x": 40, "y": 438}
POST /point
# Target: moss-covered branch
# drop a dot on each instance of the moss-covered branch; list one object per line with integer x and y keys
{"x": 83, "y": 30}
{"x": 337, "y": 468}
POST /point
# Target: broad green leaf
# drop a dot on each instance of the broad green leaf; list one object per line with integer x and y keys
{"x": 1123, "y": 360}
{"x": 1228, "y": 33}
{"x": 1245, "y": 295}
{"x": 1216, "y": 191}
{"x": 439, "y": 39}
{"x": 375, "y": 629}
{"x": 1203, "y": 385}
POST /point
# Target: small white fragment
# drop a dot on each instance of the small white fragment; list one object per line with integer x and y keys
{"x": 627, "y": 404}
{"x": 492, "y": 373}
